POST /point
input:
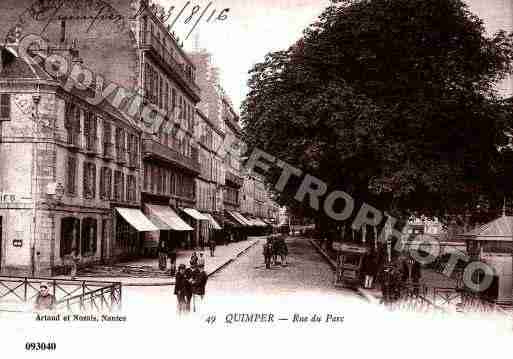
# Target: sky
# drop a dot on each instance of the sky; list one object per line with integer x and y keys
{"x": 254, "y": 28}
{"x": 251, "y": 30}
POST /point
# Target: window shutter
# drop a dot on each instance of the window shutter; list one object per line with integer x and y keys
{"x": 5, "y": 106}
{"x": 93, "y": 180}
{"x": 86, "y": 181}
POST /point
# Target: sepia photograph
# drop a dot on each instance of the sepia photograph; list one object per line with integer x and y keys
{"x": 288, "y": 178}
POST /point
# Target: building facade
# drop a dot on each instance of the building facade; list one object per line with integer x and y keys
{"x": 65, "y": 168}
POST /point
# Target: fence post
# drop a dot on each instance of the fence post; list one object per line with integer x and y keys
{"x": 25, "y": 284}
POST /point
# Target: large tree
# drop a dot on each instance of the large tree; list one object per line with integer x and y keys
{"x": 393, "y": 101}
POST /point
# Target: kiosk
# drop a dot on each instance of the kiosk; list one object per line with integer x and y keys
{"x": 492, "y": 244}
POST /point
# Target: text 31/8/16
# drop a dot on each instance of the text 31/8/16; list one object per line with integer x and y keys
{"x": 190, "y": 15}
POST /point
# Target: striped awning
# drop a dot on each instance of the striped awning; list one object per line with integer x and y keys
{"x": 195, "y": 214}
{"x": 136, "y": 219}
{"x": 166, "y": 219}
{"x": 212, "y": 221}
{"x": 239, "y": 218}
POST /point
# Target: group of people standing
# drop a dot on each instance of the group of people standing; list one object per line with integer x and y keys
{"x": 275, "y": 246}
{"x": 190, "y": 284}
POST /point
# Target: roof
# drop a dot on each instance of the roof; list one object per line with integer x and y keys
{"x": 498, "y": 229}
{"x": 16, "y": 67}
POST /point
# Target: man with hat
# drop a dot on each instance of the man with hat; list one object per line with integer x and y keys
{"x": 181, "y": 289}
{"x": 44, "y": 300}
{"x": 199, "y": 282}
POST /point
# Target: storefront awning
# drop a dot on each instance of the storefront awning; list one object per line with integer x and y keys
{"x": 259, "y": 222}
{"x": 213, "y": 222}
{"x": 166, "y": 219}
{"x": 137, "y": 219}
{"x": 240, "y": 219}
{"x": 195, "y": 214}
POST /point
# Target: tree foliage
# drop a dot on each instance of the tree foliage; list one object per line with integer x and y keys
{"x": 393, "y": 101}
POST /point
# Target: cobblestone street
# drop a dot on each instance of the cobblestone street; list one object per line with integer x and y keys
{"x": 306, "y": 274}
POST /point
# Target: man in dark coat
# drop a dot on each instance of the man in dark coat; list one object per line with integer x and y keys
{"x": 268, "y": 252}
{"x": 212, "y": 245}
{"x": 181, "y": 289}
{"x": 172, "y": 258}
{"x": 199, "y": 282}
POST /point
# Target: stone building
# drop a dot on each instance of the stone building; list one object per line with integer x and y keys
{"x": 66, "y": 169}
{"x": 210, "y": 181}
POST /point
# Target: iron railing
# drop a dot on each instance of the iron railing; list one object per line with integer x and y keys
{"x": 153, "y": 148}
{"x": 420, "y": 298}
{"x": 167, "y": 57}
{"x": 69, "y": 294}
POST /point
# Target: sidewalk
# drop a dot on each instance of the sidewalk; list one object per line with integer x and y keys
{"x": 145, "y": 272}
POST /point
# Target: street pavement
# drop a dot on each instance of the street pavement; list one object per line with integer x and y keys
{"x": 145, "y": 271}
{"x": 245, "y": 284}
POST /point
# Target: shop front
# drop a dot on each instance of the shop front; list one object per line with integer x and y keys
{"x": 172, "y": 229}
{"x": 200, "y": 224}
{"x": 130, "y": 224}
{"x": 242, "y": 229}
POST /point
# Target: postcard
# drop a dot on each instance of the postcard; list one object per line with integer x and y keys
{"x": 246, "y": 178}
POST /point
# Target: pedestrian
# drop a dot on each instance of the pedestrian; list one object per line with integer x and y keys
{"x": 201, "y": 260}
{"x": 188, "y": 288}
{"x": 172, "y": 258}
{"x": 199, "y": 282}
{"x": 202, "y": 242}
{"x": 44, "y": 300}
{"x": 369, "y": 270}
{"x": 212, "y": 246}
{"x": 275, "y": 245}
{"x": 268, "y": 253}
{"x": 74, "y": 259}
{"x": 194, "y": 260}
{"x": 162, "y": 253}
{"x": 181, "y": 284}
{"x": 284, "y": 251}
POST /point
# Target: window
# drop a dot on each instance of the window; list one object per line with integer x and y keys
{"x": 120, "y": 144}
{"x": 161, "y": 92}
{"x": 147, "y": 176}
{"x": 173, "y": 99}
{"x": 106, "y": 183}
{"x": 166, "y": 98}
{"x": 88, "y": 238}
{"x": 89, "y": 180}
{"x": 131, "y": 188}
{"x": 132, "y": 150}
{"x": 72, "y": 123}
{"x": 5, "y": 106}
{"x": 90, "y": 131}
{"x": 107, "y": 139}
{"x": 119, "y": 184}
{"x": 172, "y": 184}
{"x": 71, "y": 176}
{"x": 70, "y": 228}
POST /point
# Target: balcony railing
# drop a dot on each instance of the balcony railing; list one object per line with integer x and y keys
{"x": 120, "y": 155}
{"x": 91, "y": 144}
{"x": 233, "y": 178}
{"x": 158, "y": 47}
{"x": 153, "y": 149}
{"x": 108, "y": 150}
{"x": 132, "y": 160}
{"x": 74, "y": 139}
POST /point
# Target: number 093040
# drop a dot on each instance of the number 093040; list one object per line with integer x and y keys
{"x": 40, "y": 346}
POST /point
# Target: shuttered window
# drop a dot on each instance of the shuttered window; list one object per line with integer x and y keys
{"x": 5, "y": 106}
